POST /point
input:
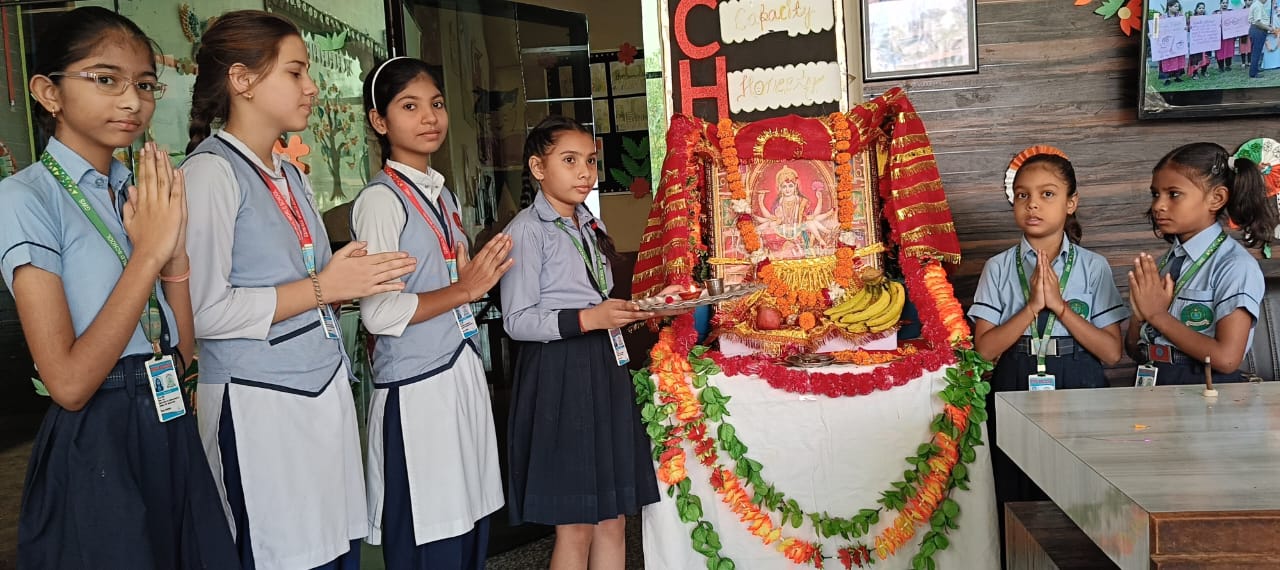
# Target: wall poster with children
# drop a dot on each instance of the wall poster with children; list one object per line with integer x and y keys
{"x": 1204, "y": 46}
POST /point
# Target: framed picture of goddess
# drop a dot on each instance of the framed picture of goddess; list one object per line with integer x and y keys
{"x": 795, "y": 210}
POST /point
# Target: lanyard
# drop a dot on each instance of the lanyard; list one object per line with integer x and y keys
{"x": 595, "y": 271}
{"x": 1039, "y": 341}
{"x": 151, "y": 320}
{"x": 445, "y": 238}
{"x": 1146, "y": 331}
{"x": 1190, "y": 272}
{"x": 292, "y": 213}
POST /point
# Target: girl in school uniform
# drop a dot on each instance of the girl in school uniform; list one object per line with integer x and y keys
{"x": 277, "y": 417}
{"x": 1228, "y": 48}
{"x": 1199, "y": 62}
{"x": 579, "y": 458}
{"x": 1171, "y": 69}
{"x": 1200, "y": 300}
{"x": 1047, "y": 310}
{"x": 433, "y": 456}
{"x": 97, "y": 264}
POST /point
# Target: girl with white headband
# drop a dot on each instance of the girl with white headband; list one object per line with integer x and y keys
{"x": 433, "y": 474}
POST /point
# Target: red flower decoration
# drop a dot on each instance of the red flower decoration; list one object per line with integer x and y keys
{"x": 1131, "y": 17}
{"x": 640, "y": 187}
{"x": 627, "y": 53}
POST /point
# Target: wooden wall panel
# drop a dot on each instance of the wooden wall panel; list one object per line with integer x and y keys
{"x": 1053, "y": 73}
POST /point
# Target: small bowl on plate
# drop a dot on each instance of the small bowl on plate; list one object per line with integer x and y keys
{"x": 690, "y": 295}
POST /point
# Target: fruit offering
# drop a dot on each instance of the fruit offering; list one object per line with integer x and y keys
{"x": 876, "y": 308}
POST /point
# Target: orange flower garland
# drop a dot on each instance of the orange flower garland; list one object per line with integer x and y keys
{"x": 924, "y": 498}
{"x": 865, "y": 358}
{"x": 729, "y": 159}
{"x": 844, "y": 196}
{"x": 949, "y": 308}
{"x": 787, "y": 299}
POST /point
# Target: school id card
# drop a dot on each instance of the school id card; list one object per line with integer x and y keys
{"x": 166, "y": 391}
{"x": 1042, "y": 382}
{"x": 1146, "y": 376}
{"x": 619, "y": 347}
{"x": 466, "y": 320}
{"x": 328, "y": 323}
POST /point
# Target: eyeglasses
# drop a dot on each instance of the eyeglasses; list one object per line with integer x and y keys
{"x": 112, "y": 84}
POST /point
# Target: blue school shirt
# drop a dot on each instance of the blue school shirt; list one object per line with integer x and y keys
{"x": 1229, "y": 280}
{"x": 1091, "y": 291}
{"x": 548, "y": 284}
{"x": 41, "y": 225}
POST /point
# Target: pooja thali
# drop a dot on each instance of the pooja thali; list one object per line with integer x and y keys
{"x": 675, "y": 302}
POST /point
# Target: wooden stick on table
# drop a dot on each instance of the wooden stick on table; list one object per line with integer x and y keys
{"x": 1209, "y": 392}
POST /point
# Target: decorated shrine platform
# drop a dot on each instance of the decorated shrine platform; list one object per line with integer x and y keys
{"x": 1157, "y": 477}
{"x": 881, "y": 460}
{"x": 829, "y": 455}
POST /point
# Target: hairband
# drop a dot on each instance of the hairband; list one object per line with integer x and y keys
{"x": 373, "y": 85}
{"x": 1231, "y": 162}
{"x": 1021, "y": 158}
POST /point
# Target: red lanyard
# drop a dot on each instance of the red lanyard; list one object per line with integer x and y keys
{"x": 446, "y": 248}
{"x": 290, "y": 209}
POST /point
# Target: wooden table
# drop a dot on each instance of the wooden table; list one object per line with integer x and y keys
{"x": 1157, "y": 477}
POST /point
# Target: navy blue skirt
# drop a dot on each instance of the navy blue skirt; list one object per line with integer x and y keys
{"x": 109, "y": 486}
{"x": 400, "y": 549}
{"x": 1079, "y": 369}
{"x": 578, "y": 452}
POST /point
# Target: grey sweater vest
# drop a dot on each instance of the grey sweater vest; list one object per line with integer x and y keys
{"x": 296, "y": 357}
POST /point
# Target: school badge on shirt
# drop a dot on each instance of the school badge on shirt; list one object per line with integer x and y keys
{"x": 1079, "y": 307}
{"x": 1197, "y": 316}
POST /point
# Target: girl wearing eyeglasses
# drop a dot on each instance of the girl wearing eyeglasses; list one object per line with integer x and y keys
{"x": 95, "y": 257}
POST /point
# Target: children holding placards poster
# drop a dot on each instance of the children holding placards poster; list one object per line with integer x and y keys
{"x": 1228, "y": 47}
{"x": 1200, "y": 60}
{"x": 1171, "y": 69}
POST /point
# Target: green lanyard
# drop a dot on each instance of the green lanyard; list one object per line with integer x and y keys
{"x": 1187, "y": 274}
{"x": 1039, "y": 341}
{"x": 150, "y": 319}
{"x": 1190, "y": 272}
{"x": 598, "y": 279}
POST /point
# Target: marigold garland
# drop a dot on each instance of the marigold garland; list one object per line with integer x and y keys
{"x": 841, "y": 142}
{"x": 871, "y": 358}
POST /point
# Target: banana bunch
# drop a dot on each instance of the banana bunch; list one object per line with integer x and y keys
{"x": 876, "y": 308}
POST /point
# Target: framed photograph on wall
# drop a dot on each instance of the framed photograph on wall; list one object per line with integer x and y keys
{"x": 916, "y": 38}
{"x": 1196, "y": 61}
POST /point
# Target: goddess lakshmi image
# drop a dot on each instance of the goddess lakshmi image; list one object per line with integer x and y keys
{"x": 796, "y": 215}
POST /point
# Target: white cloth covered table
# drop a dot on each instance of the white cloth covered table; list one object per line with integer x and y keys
{"x": 829, "y": 454}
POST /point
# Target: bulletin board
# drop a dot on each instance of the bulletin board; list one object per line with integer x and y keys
{"x": 621, "y": 121}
